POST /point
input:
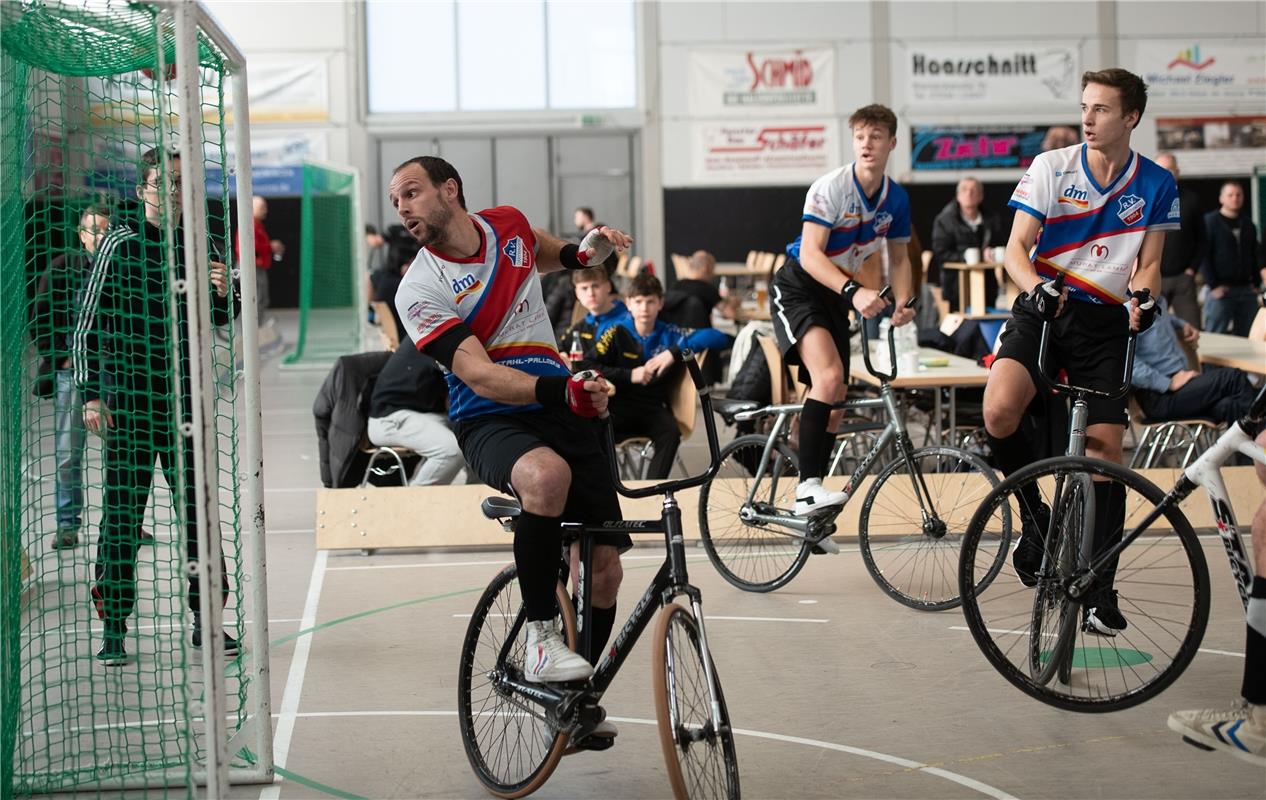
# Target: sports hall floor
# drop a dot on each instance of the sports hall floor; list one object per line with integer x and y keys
{"x": 838, "y": 691}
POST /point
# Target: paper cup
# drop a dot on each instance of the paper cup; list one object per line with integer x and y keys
{"x": 971, "y": 256}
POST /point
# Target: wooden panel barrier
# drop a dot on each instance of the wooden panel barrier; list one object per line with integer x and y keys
{"x": 377, "y": 518}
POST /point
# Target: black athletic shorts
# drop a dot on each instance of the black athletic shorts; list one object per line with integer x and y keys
{"x": 1088, "y": 340}
{"x": 796, "y": 303}
{"x": 493, "y": 443}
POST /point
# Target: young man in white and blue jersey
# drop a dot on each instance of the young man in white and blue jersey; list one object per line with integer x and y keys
{"x": 472, "y": 301}
{"x": 1096, "y": 213}
{"x": 849, "y": 214}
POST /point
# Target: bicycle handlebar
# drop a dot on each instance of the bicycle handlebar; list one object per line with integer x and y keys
{"x": 709, "y": 424}
{"x": 1064, "y": 388}
{"x": 884, "y": 377}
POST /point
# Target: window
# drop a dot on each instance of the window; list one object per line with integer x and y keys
{"x": 505, "y": 55}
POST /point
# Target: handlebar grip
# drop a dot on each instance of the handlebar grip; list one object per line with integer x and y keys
{"x": 886, "y": 293}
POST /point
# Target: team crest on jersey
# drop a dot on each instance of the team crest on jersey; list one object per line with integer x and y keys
{"x": 1130, "y": 208}
{"x": 1175, "y": 209}
{"x": 882, "y": 221}
{"x": 515, "y": 252}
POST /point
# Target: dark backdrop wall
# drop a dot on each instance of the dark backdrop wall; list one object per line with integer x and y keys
{"x": 731, "y": 221}
{"x": 283, "y": 224}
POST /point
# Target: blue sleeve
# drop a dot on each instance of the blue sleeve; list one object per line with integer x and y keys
{"x": 1144, "y": 377}
{"x": 705, "y": 339}
{"x": 899, "y": 229}
{"x": 1166, "y": 212}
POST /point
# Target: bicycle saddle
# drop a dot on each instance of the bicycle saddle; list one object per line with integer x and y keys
{"x": 728, "y": 408}
{"x": 500, "y": 507}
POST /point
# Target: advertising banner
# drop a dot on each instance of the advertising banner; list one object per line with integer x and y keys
{"x": 1214, "y": 145}
{"x": 762, "y": 81}
{"x": 1034, "y": 74}
{"x": 779, "y": 153}
{"x": 1212, "y": 71}
{"x": 994, "y": 146}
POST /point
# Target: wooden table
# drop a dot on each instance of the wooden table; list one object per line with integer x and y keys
{"x": 959, "y": 373}
{"x": 735, "y": 269}
{"x": 1225, "y": 350}
{"x": 971, "y": 284}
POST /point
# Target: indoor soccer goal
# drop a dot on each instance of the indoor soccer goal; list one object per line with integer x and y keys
{"x": 130, "y": 455}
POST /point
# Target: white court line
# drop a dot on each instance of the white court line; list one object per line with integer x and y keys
{"x": 501, "y": 563}
{"x": 1026, "y": 633}
{"x": 290, "y": 530}
{"x": 291, "y": 491}
{"x": 708, "y": 617}
{"x": 962, "y": 780}
{"x": 294, "y": 680}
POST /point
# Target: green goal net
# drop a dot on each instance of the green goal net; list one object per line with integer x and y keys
{"x": 101, "y": 685}
{"x": 329, "y": 236}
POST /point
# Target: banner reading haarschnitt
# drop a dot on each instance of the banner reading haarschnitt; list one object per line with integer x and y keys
{"x": 987, "y": 74}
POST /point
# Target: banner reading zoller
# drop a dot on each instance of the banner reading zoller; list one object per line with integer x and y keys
{"x": 1032, "y": 74}
{"x": 774, "y": 154}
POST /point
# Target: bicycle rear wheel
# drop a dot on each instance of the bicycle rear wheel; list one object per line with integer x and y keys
{"x": 1033, "y": 635}
{"x": 912, "y": 524}
{"x": 701, "y": 759}
{"x": 755, "y": 557}
{"x": 510, "y": 744}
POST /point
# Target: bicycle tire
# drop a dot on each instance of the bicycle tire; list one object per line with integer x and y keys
{"x": 1049, "y": 600}
{"x": 1164, "y": 570}
{"x": 502, "y": 770}
{"x": 752, "y": 557}
{"x": 915, "y": 561}
{"x": 683, "y": 711}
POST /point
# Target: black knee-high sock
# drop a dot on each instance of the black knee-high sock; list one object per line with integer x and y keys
{"x": 1109, "y": 525}
{"x": 603, "y": 620}
{"x": 537, "y": 548}
{"x": 1254, "y": 687}
{"x": 1012, "y": 453}
{"x": 814, "y": 442}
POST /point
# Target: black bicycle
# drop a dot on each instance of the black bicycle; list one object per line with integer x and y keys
{"x": 515, "y": 732}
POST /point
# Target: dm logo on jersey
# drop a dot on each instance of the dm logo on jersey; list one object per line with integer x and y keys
{"x": 516, "y": 252}
{"x": 1100, "y": 251}
{"x": 882, "y": 221}
{"x": 1077, "y": 198}
{"x": 1130, "y": 208}
{"x": 465, "y": 286}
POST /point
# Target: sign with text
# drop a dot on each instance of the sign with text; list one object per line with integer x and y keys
{"x": 752, "y": 153}
{"x": 1211, "y": 70}
{"x": 762, "y": 81}
{"x": 998, "y": 146}
{"x": 1214, "y": 145}
{"x": 933, "y": 74}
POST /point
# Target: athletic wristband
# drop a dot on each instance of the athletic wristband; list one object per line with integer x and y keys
{"x": 551, "y": 390}
{"x": 848, "y": 290}
{"x": 570, "y": 256}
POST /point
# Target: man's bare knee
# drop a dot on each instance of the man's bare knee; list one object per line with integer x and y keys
{"x": 541, "y": 479}
{"x": 1007, "y": 395}
{"x": 1001, "y": 420}
{"x": 1104, "y": 442}
{"x": 607, "y": 576}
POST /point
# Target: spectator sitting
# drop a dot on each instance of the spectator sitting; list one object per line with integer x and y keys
{"x": 639, "y": 355}
{"x": 1168, "y": 390}
{"x": 410, "y": 409}
{"x": 963, "y": 224}
{"x": 699, "y": 283}
{"x": 593, "y": 291}
{"x": 401, "y": 250}
{"x": 1231, "y": 265}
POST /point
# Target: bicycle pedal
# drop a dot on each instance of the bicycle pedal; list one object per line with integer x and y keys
{"x": 591, "y": 744}
{"x": 1199, "y": 745}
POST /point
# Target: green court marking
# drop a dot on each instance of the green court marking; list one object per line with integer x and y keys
{"x": 317, "y": 785}
{"x": 1104, "y": 657}
{"x": 371, "y": 612}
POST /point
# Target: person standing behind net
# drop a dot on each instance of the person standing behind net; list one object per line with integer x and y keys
{"x": 849, "y": 213}
{"x": 53, "y": 322}
{"x": 1241, "y": 729}
{"x": 1183, "y": 248}
{"x": 125, "y": 374}
{"x": 472, "y": 301}
{"x": 1101, "y": 211}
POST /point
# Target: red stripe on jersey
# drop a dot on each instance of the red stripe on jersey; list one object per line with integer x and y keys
{"x": 437, "y": 332}
{"x": 1080, "y": 214}
{"x": 507, "y": 279}
{"x": 1067, "y": 247}
{"x": 502, "y": 353}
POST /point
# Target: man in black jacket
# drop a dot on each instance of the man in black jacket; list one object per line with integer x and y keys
{"x": 410, "y": 409}
{"x": 961, "y": 225}
{"x": 52, "y": 323}
{"x": 1181, "y": 257}
{"x": 124, "y": 371}
{"x": 1231, "y": 267}
{"x": 340, "y": 409}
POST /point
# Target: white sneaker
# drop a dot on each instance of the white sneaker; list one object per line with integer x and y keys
{"x": 548, "y": 658}
{"x": 812, "y": 496}
{"x": 1239, "y": 730}
{"x": 826, "y": 546}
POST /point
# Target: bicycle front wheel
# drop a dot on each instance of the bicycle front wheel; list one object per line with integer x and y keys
{"x": 700, "y": 756}
{"x": 511, "y": 745}
{"x": 1039, "y": 636}
{"x": 754, "y": 556}
{"x": 912, "y": 524}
